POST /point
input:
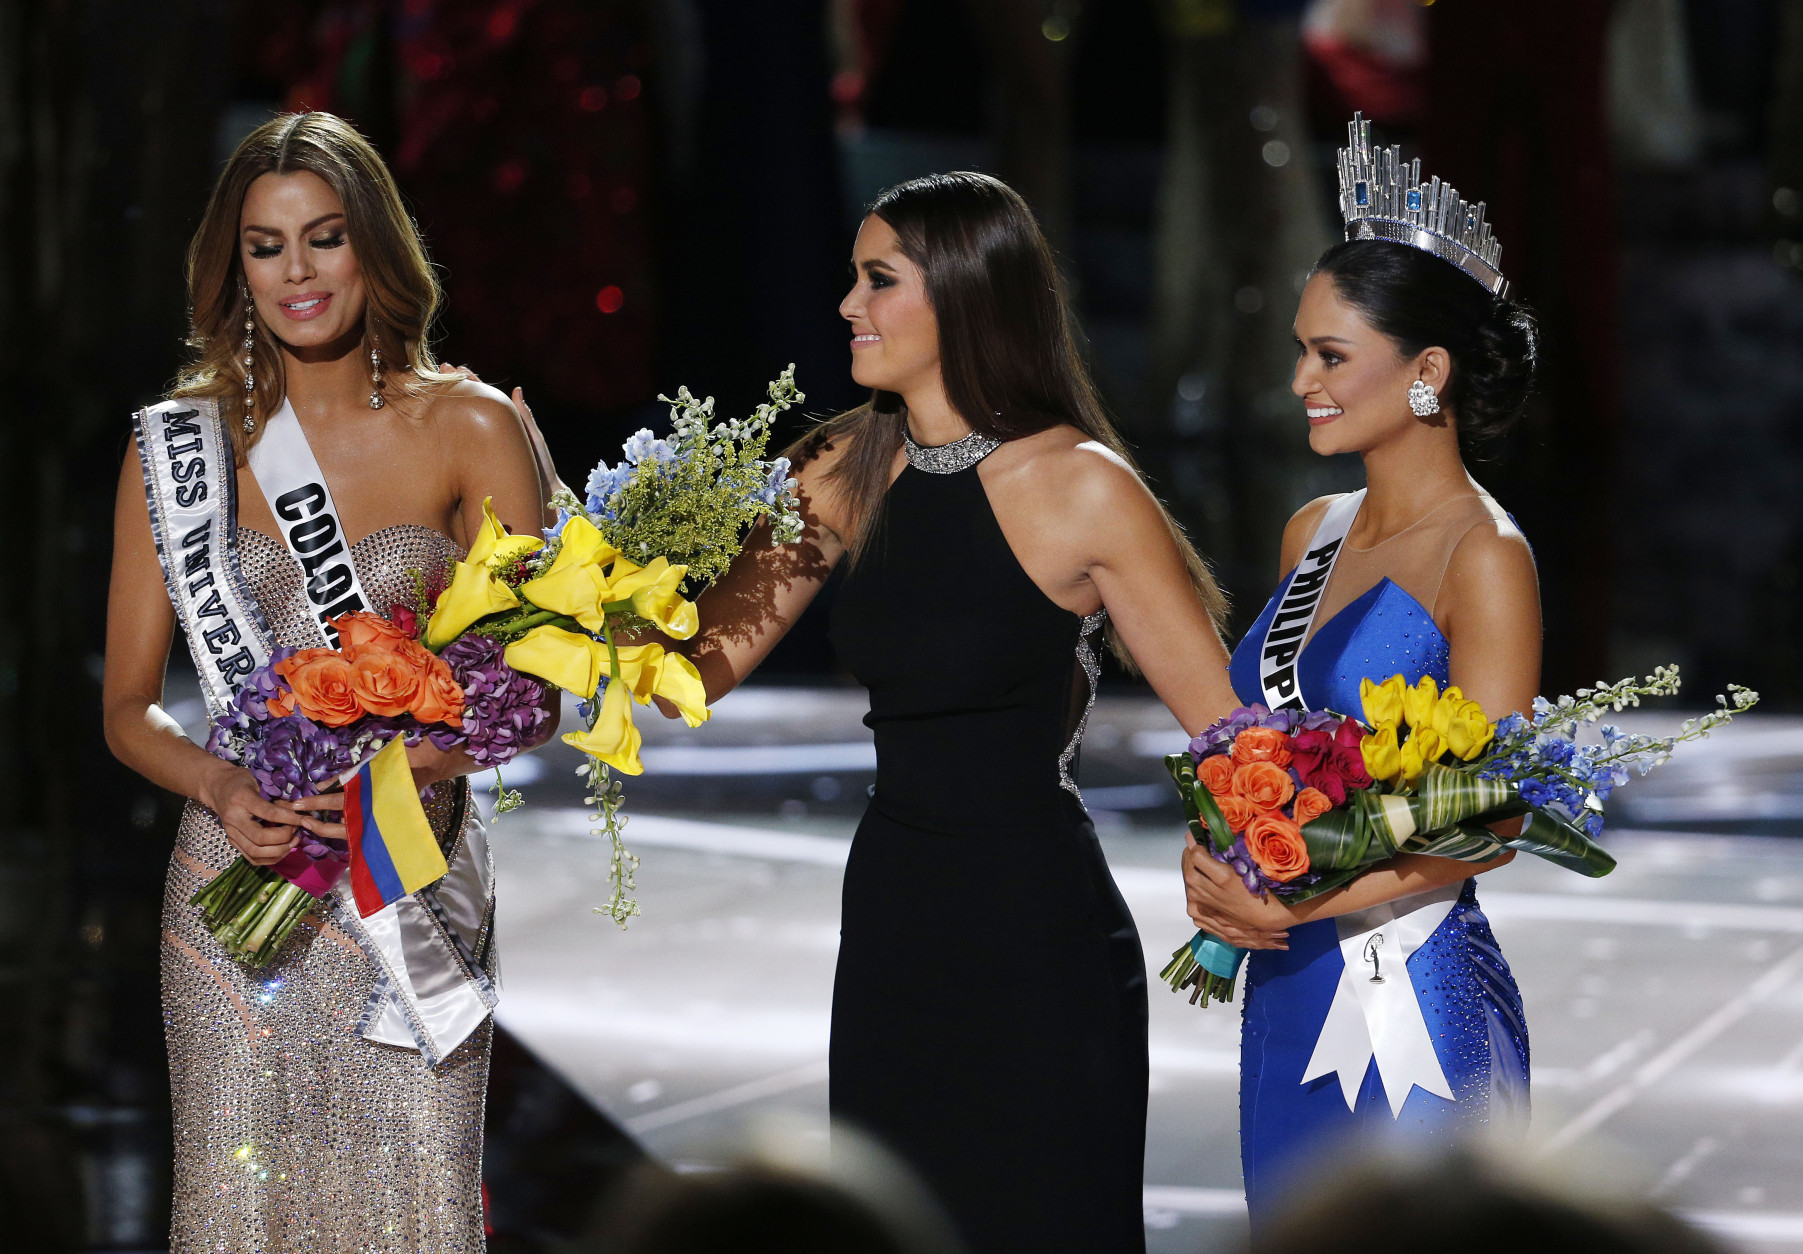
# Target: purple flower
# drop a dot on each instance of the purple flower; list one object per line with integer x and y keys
{"x": 295, "y": 757}
{"x": 1218, "y": 737}
{"x": 503, "y": 710}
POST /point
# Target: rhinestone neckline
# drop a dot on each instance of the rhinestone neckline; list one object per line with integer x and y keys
{"x": 949, "y": 459}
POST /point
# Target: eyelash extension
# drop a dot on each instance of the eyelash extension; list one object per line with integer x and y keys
{"x": 261, "y": 251}
{"x": 329, "y": 241}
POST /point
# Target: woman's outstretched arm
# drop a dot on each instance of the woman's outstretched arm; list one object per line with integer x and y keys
{"x": 753, "y": 605}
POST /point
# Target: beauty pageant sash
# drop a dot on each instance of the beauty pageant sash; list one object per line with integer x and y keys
{"x": 1375, "y": 1011}
{"x": 191, "y": 484}
{"x": 431, "y": 950}
{"x": 285, "y": 468}
{"x": 1278, "y": 676}
{"x": 432, "y": 992}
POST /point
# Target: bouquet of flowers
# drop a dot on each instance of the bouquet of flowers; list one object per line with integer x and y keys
{"x": 1300, "y": 802}
{"x": 471, "y": 666}
{"x": 621, "y": 563}
{"x": 310, "y": 717}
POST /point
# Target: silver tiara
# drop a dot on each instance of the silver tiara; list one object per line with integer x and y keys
{"x": 1381, "y": 197}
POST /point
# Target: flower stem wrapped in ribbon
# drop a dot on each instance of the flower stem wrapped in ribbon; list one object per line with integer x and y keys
{"x": 1427, "y": 772}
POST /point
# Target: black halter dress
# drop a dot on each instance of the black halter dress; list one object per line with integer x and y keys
{"x": 989, "y": 1012}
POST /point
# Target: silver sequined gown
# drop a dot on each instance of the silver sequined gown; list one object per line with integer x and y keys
{"x": 292, "y": 1133}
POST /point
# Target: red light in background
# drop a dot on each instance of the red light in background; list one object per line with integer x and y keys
{"x": 501, "y": 23}
{"x": 609, "y": 299}
{"x": 628, "y": 88}
{"x": 578, "y": 186}
{"x": 510, "y": 174}
{"x": 592, "y": 99}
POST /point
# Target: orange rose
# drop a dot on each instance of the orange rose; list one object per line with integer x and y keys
{"x": 1237, "y": 811}
{"x": 1261, "y": 744}
{"x": 1217, "y": 773}
{"x": 1265, "y": 784}
{"x": 385, "y": 681}
{"x": 364, "y": 630}
{"x": 1311, "y": 803}
{"x": 440, "y": 698}
{"x": 1277, "y": 847}
{"x": 321, "y": 680}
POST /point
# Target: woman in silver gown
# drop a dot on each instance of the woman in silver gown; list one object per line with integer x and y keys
{"x": 312, "y": 297}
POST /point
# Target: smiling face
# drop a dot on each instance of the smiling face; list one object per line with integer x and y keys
{"x": 895, "y": 335}
{"x": 1351, "y": 378}
{"x": 302, "y": 269}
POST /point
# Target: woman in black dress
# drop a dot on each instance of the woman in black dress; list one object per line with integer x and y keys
{"x": 989, "y": 1015}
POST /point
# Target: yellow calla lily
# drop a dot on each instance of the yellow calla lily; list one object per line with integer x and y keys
{"x": 474, "y": 593}
{"x": 650, "y": 670}
{"x": 1382, "y": 758}
{"x": 569, "y": 659}
{"x": 1382, "y": 702}
{"x": 494, "y": 545}
{"x": 1418, "y": 702}
{"x": 613, "y": 738}
{"x": 575, "y": 584}
{"x": 1468, "y": 732}
{"x": 661, "y": 601}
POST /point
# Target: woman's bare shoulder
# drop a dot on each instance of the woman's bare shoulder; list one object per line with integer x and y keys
{"x": 1301, "y": 526}
{"x": 468, "y": 408}
{"x": 1493, "y": 552}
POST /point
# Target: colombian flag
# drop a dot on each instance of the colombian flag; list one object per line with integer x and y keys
{"x": 393, "y": 850}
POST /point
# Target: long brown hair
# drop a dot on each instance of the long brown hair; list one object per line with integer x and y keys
{"x": 403, "y": 292}
{"x": 1007, "y": 351}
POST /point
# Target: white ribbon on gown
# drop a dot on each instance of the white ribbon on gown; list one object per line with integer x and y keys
{"x": 1376, "y": 1012}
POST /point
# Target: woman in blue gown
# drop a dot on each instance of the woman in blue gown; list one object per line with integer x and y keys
{"x": 1405, "y": 360}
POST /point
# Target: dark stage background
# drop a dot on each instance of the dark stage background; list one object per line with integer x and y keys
{"x": 626, "y": 195}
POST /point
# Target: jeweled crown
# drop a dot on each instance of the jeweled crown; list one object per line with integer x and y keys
{"x": 1382, "y": 197}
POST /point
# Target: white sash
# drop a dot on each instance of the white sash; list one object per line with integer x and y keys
{"x": 432, "y": 992}
{"x": 298, "y": 496}
{"x": 1376, "y": 1012}
{"x": 433, "y": 948}
{"x": 191, "y": 484}
{"x": 1278, "y": 677}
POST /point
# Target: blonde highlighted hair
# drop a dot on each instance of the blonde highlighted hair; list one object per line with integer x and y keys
{"x": 403, "y": 295}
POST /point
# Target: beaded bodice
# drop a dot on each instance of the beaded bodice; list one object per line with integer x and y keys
{"x": 385, "y": 560}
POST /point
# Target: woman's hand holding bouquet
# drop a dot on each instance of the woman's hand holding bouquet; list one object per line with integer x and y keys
{"x": 1297, "y": 803}
{"x": 465, "y": 674}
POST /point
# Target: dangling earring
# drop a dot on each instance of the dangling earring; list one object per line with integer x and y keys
{"x": 250, "y": 381}
{"x": 375, "y": 380}
{"x": 1423, "y": 399}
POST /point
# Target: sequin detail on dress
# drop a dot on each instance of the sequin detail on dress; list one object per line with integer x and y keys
{"x": 1092, "y": 671}
{"x": 293, "y": 1135}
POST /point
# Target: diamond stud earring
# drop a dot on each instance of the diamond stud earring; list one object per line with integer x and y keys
{"x": 1423, "y": 399}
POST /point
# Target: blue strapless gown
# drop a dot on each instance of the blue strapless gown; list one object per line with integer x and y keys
{"x": 1467, "y": 995}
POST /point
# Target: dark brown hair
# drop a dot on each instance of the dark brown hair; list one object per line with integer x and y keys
{"x": 1417, "y": 300}
{"x": 402, "y": 290}
{"x": 1007, "y": 351}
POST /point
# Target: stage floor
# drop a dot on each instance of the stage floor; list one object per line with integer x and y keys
{"x": 1665, "y": 1002}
